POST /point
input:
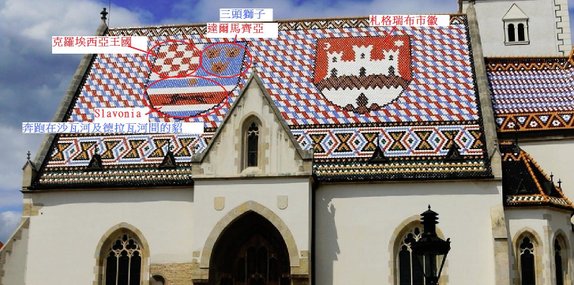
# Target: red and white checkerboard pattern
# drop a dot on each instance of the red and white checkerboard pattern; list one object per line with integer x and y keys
{"x": 175, "y": 59}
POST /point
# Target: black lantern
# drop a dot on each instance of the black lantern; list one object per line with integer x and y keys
{"x": 430, "y": 250}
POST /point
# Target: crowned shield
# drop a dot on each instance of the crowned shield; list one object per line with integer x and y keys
{"x": 187, "y": 79}
{"x": 363, "y": 74}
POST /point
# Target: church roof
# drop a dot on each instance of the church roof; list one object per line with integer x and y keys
{"x": 524, "y": 183}
{"x": 342, "y": 87}
{"x": 532, "y": 95}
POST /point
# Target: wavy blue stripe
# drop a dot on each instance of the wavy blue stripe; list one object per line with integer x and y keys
{"x": 184, "y": 82}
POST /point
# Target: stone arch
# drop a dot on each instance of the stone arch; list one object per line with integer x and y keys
{"x": 250, "y": 206}
{"x": 526, "y": 231}
{"x": 121, "y": 228}
{"x": 395, "y": 241}
{"x": 401, "y": 229}
{"x": 561, "y": 235}
{"x": 564, "y": 242}
{"x": 538, "y": 247}
{"x": 249, "y": 117}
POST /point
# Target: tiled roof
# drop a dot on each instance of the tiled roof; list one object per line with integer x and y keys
{"x": 343, "y": 88}
{"x": 532, "y": 94}
{"x": 133, "y": 175}
{"x": 524, "y": 183}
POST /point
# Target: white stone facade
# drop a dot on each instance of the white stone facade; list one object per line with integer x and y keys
{"x": 334, "y": 233}
{"x": 354, "y": 229}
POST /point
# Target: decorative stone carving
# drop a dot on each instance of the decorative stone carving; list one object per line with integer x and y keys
{"x": 219, "y": 203}
{"x": 282, "y": 202}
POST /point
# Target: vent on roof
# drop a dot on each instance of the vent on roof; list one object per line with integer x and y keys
{"x": 521, "y": 188}
{"x": 453, "y": 153}
{"x": 168, "y": 161}
{"x": 95, "y": 163}
{"x": 379, "y": 155}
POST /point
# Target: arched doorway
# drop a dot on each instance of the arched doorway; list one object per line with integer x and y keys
{"x": 250, "y": 251}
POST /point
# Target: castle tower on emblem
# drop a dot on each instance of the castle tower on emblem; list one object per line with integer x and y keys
{"x": 363, "y": 74}
{"x": 386, "y": 66}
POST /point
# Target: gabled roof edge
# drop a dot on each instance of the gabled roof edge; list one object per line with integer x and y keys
{"x": 119, "y": 29}
{"x": 514, "y": 13}
{"x": 539, "y": 183}
{"x": 65, "y": 105}
{"x": 483, "y": 93}
{"x": 304, "y": 155}
{"x": 539, "y": 178}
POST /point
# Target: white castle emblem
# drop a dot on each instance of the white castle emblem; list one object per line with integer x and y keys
{"x": 378, "y": 73}
{"x": 363, "y": 65}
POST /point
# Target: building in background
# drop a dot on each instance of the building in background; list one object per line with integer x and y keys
{"x": 321, "y": 148}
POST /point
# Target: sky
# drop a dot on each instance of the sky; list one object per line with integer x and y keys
{"x": 33, "y": 81}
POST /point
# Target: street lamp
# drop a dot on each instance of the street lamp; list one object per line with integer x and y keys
{"x": 430, "y": 250}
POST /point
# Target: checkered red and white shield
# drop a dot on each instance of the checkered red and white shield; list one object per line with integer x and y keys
{"x": 187, "y": 79}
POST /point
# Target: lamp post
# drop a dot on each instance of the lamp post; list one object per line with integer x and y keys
{"x": 431, "y": 250}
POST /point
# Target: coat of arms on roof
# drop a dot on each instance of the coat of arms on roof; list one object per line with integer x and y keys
{"x": 189, "y": 78}
{"x": 363, "y": 74}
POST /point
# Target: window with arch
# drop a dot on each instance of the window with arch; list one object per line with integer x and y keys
{"x": 511, "y": 35}
{"x": 122, "y": 260}
{"x": 527, "y": 251}
{"x": 515, "y": 26}
{"x": 408, "y": 269}
{"x": 521, "y": 31}
{"x": 561, "y": 260}
{"x": 516, "y": 32}
{"x": 251, "y": 143}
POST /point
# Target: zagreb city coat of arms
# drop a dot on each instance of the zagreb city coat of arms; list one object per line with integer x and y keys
{"x": 363, "y": 74}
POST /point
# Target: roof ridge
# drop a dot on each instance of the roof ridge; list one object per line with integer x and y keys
{"x": 291, "y": 20}
{"x": 558, "y": 188}
{"x": 529, "y": 159}
{"x": 532, "y": 167}
{"x": 67, "y": 104}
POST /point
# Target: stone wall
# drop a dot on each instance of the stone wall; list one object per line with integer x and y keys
{"x": 173, "y": 273}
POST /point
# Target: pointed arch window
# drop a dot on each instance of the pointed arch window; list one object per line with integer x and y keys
{"x": 526, "y": 250}
{"x": 409, "y": 271}
{"x": 561, "y": 260}
{"x": 122, "y": 260}
{"x": 558, "y": 263}
{"x": 251, "y": 143}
